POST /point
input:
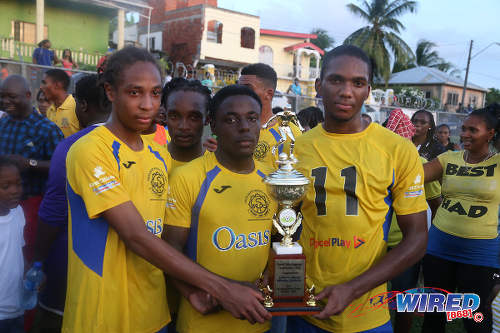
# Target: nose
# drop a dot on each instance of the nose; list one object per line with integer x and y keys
{"x": 244, "y": 125}
{"x": 183, "y": 124}
{"x": 146, "y": 102}
{"x": 346, "y": 90}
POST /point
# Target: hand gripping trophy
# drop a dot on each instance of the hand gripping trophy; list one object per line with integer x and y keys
{"x": 285, "y": 118}
{"x": 287, "y": 262}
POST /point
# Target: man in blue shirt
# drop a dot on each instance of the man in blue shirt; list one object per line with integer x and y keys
{"x": 30, "y": 139}
{"x": 43, "y": 55}
{"x": 52, "y": 238}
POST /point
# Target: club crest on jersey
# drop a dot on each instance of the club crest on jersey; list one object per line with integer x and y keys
{"x": 261, "y": 150}
{"x": 258, "y": 203}
{"x": 158, "y": 181}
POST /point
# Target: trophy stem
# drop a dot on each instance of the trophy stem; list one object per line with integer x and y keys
{"x": 287, "y": 241}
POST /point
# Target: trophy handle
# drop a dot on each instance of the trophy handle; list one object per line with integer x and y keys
{"x": 277, "y": 226}
{"x": 297, "y": 223}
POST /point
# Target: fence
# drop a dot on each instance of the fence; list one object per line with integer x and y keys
{"x": 12, "y": 49}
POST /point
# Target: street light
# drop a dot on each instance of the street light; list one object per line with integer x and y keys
{"x": 468, "y": 66}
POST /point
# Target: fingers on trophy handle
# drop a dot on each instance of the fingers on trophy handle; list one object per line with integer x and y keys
{"x": 266, "y": 292}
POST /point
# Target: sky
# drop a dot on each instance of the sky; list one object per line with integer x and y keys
{"x": 451, "y": 24}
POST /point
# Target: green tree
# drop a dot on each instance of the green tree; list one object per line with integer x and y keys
{"x": 493, "y": 96}
{"x": 381, "y": 37}
{"x": 324, "y": 41}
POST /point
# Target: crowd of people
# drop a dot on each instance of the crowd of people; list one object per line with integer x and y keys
{"x": 144, "y": 226}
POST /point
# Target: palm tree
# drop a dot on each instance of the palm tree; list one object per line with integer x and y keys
{"x": 382, "y": 33}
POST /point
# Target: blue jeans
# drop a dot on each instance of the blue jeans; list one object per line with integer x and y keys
{"x": 14, "y": 325}
{"x": 296, "y": 324}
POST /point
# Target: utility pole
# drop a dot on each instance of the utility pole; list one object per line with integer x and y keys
{"x": 466, "y": 76}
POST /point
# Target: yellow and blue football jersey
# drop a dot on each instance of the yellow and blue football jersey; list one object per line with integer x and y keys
{"x": 230, "y": 217}
{"x": 357, "y": 180}
{"x": 110, "y": 288}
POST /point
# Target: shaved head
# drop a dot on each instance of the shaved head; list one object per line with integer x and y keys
{"x": 16, "y": 96}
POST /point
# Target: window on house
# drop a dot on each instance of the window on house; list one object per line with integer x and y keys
{"x": 152, "y": 43}
{"x": 26, "y": 32}
{"x": 266, "y": 55}
{"x": 452, "y": 99}
{"x": 214, "y": 32}
{"x": 247, "y": 38}
{"x": 427, "y": 94}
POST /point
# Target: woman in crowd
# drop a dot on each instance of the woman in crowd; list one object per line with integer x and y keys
{"x": 427, "y": 145}
{"x": 42, "y": 102}
{"x": 67, "y": 61}
{"x": 443, "y": 136}
{"x": 463, "y": 247}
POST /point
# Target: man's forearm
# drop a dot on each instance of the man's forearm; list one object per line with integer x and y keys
{"x": 46, "y": 236}
{"x": 406, "y": 253}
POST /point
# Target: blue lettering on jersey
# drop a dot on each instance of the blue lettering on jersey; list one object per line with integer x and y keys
{"x": 155, "y": 227}
{"x": 241, "y": 241}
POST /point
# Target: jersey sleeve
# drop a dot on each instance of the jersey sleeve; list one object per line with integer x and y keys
{"x": 408, "y": 189}
{"x": 443, "y": 159}
{"x": 93, "y": 175}
{"x": 180, "y": 199}
{"x": 432, "y": 190}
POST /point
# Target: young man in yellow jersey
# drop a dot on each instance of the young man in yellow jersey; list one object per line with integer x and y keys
{"x": 55, "y": 84}
{"x": 117, "y": 190}
{"x": 220, "y": 212}
{"x": 359, "y": 173}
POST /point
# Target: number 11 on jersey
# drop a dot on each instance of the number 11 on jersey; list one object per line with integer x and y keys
{"x": 350, "y": 180}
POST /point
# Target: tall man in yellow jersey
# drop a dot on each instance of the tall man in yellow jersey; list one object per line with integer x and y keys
{"x": 262, "y": 79}
{"x": 360, "y": 173}
{"x": 55, "y": 84}
{"x": 220, "y": 212}
{"x": 117, "y": 191}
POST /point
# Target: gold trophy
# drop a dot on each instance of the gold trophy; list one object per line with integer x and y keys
{"x": 287, "y": 293}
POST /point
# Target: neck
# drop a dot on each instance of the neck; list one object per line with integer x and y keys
{"x": 354, "y": 125}
{"x": 419, "y": 140}
{"x": 4, "y": 211}
{"x": 477, "y": 156}
{"x": 242, "y": 165}
{"x": 132, "y": 139}
{"x": 445, "y": 142}
{"x": 60, "y": 99}
{"x": 185, "y": 154}
{"x": 267, "y": 112}
{"x": 98, "y": 120}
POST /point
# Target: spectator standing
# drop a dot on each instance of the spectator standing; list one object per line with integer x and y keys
{"x": 11, "y": 244}
{"x": 424, "y": 139}
{"x": 55, "y": 84}
{"x": 443, "y": 135}
{"x": 43, "y": 55}
{"x": 42, "y": 103}
{"x": 310, "y": 117}
{"x": 30, "y": 139}
{"x": 52, "y": 238}
{"x": 294, "y": 88}
{"x": 67, "y": 61}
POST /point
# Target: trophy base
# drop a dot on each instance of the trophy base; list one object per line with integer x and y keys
{"x": 295, "y": 248}
{"x": 287, "y": 308}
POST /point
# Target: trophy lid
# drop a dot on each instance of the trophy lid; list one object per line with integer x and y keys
{"x": 286, "y": 174}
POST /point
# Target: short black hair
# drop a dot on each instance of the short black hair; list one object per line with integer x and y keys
{"x": 432, "y": 131}
{"x": 181, "y": 84}
{"x": 122, "y": 59}
{"x": 87, "y": 89}
{"x": 228, "y": 91}
{"x": 6, "y": 161}
{"x": 491, "y": 116}
{"x": 310, "y": 116}
{"x": 443, "y": 125}
{"x": 264, "y": 72}
{"x": 60, "y": 76}
{"x": 347, "y": 50}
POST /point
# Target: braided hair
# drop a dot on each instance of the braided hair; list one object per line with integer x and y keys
{"x": 181, "y": 84}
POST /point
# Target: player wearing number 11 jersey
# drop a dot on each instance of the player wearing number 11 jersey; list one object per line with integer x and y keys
{"x": 359, "y": 174}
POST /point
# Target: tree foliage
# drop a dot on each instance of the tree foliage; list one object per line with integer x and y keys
{"x": 380, "y": 38}
{"x": 324, "y": 41}
{"x": 493, "y": 96}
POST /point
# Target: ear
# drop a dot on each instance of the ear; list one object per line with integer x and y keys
{"x": 110, "y": 93}
{"x": 269, "y": 94}
{"x": 211, "y": 121}
{"x": 491, "y": 134}
{"x": 84, "y": 106}
{"x": 317, "y": 85}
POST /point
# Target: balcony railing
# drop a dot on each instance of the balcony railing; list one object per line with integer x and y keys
{"x": 11, "y": 49}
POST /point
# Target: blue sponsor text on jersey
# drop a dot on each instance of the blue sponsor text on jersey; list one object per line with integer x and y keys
{"x": 240, "y": 241}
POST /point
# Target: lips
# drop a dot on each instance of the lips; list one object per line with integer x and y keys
{"x": 344, "y": 107}
{"x": 145, "y": 121}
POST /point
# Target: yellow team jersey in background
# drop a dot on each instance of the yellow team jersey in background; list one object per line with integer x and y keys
{"x": 230, "y": 217}
{"x": 110, "y": 288}
{"x": 268, "y": 139}
{"x": 471, "y": 197}
{"x": 357, "y": 180}
{"x": 432, "y": 191}
{"x": 64, "y": 116}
